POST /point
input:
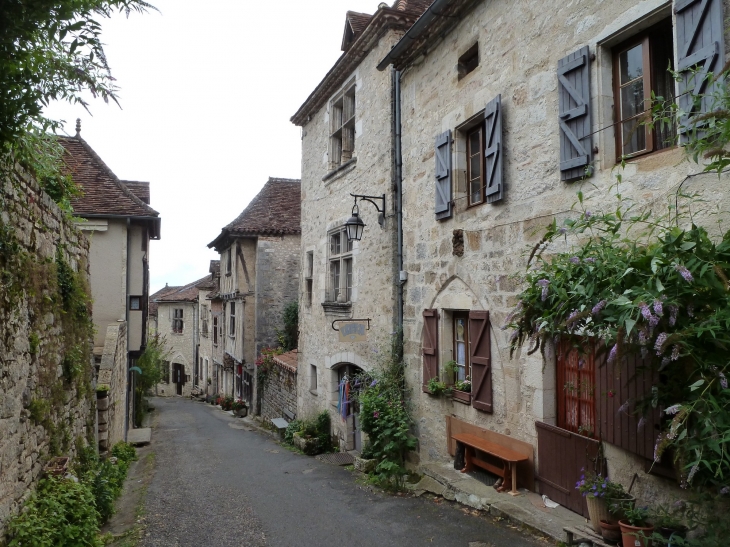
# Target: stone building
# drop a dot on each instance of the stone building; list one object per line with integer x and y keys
{"x": 279, "y": 394}
{"x": 119, "y": 222}
{"x": 504, "y": 110}
{"x": 259, "y": 276}
{"x": 347, "y": 148}
{"x": 177, "y": 323}
{"x": 210, "y": 331}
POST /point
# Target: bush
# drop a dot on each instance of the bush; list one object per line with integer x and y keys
{"x": 318, "y": 428}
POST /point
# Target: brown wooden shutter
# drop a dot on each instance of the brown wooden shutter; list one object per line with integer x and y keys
{"x": 481, "y": 361}
{"x": 701, "y": 47}
{"x": 574, "y": 114}
{"x": 430, "y": 346}
{"x": 493, "y": 165}
{"x": 443, "y": 175}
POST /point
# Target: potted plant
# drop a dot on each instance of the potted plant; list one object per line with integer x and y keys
{"x": 599, "y": 491}
{"x": 668, "y": 524}
{"x": 437, "y": 388}
{"x": 239, "y": 408}
{"x": 610, "y": 532}
{"x": 635, "y": 528}
{"x": 462, "y": 390}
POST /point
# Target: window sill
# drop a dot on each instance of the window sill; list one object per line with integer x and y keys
{"x": 177, "y": 333}
{"x": 340, "y": 309}
{"x": 346, "y": 167}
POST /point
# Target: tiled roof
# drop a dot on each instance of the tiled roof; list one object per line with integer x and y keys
{"x": 103, "y": 192}
{"x": 152, "y": 307}
{"x": 289, "y": 360}
{"x": 139, "y": 189}
{"x": 186, "y": 293}
{"x": 276, "y": 210}
{"x": 358, "y": 21}
{"x": 416, "y": 7}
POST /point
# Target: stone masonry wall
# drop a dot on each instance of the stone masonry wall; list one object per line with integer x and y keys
{"x": 326, "y": 205}
{"x": 519, "y": 48}
{"x": 113, "y": 373}
{"x": 279, "y": 393}
{"x": 31, "y": 376}
{"x": 180, "y": 346}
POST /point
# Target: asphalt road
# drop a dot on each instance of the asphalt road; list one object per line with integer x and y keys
{"x": 219, "y": 483}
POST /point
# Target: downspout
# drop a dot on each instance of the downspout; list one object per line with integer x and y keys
{"x": 396, "y": 75}
{"x": 130, "y": 376}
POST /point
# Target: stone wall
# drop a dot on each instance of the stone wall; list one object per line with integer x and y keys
{"x": 113, "y": 373}
{"x": 519, "y": 49}
{"x": 326, "y": 205}
{"x": 45, "y": 407}
{"x": 279, "y": 396}
{"x": 180, "y": 347}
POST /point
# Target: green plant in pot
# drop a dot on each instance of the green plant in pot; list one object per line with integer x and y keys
{"x": 436, "y": 387}
{"x": 636, "y": 531}
{"x": 669, "y": 527}
{"x": 463, "y": 385}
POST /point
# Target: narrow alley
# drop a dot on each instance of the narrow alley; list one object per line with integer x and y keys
{"x": 219, "y": 482}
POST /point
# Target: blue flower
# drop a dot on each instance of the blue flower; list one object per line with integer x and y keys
{"x": 373, "y": 383}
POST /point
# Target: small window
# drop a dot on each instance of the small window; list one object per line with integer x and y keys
{"x": 177, "y": 320}
{"x": 165, "y": 372}
{"x": 461, "y": 346}
{"x": 313, "y": 378}
{"x": 342, "y": 128}
{"x": 204, "y": 321}
{"x": 232, "y": 322}
{"x": 340, "y": 267}
{"x": 215, "y": 330}
{"x": 641, "y": 67}
{"x": 475, "y": 164}
{"x": 229, "y": 261}
{"x": 135, "y": 303}
{"x": 308, "y": 273}
{"x": 469, "y": 61}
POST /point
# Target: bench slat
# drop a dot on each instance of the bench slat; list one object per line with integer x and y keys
{"x": 490, "y": 448}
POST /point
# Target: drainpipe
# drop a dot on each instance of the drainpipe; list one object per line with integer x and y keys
{"x": 402, "y": 276}
{"x": 130, "y": 376}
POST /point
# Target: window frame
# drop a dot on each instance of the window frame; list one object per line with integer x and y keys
{"x": 479, "y": 127}
{"x": 468, "y": 61}
{"x": 585, "y": 406}
{"x": 135, "y": 298}
{"x": 204, "y": 321}
{"x": 342, "y": 115}
{"x": 215, "y": 330}
{"x": 229, "y": 260}
{"x": 232, "y": 318}
{"x": 342, "y": 260}
{"x": 165, "y": 372}
{"x": 178, "y": 321}
{"x": 455, "y": 316}
{"x": 308, "y": 277}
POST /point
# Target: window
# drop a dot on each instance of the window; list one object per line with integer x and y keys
{"x": 576, "y": 387}
{"x": 215, "y": 330}
{"x": 177, "y": 320}
{"x": 229, "y": 261}
{"x": 135, "y": 303}
{"x": 468, "y": 62}
{"x": 204, "y": 320}
{"x": 232, "y": 322}
{"x": 640, "y": 68}
{"x": 461, "y": 345}
{"x": 340, "y": 264}
{"x": 308, "y": 273}
{"x": 165, "y": 372}
{"x": 342, "y": 128}
{"x": 313, "y": 378}
{"x": 475, "y": 164}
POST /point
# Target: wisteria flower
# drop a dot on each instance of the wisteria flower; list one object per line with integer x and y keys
{"x": 653, "y": 321}
{"x": 723, "y": 380}
{"x": 685, "y": 273}
{"x": 590, "y": 260}
{"x": 572, "y": 317}
{"x": 544, "y": 284}
{"x": 645, "y": 311}
{"x": 664, "y": 364}
{"x": 673, "y": 311}
{"x": 598, "y": 307}
{"x": 658, "y": 308}
{"x": 574, "y": 260}
{"x": 672, "y": 410}
{"x": 624, "y": 407}
{"x": 659, "y": 344}
{"x": 373, "y": 383}
{"x": 612, "y": 354}
{"x": 692, "y": 472}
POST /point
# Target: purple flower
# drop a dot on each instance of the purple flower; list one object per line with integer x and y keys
{"x": 624, "y": 407}
{"x": 673, "y": 310}
{"x": 574, "y": 260}
{"x": 598, "y": 307}
{"x": 588, "y": 214}
{"x": 562, "y": 230}
{"x": 642, "y": 337}
{"x": 513, "y": 336}
{"x": 653, "y": 321}
{"x": 685, "y": 273}
{"x": 612, "y": 354}
{"x": 692, "y": 472}
{"x": 723, "y": 380}
{"x": 659, "y": 344}
{"x": 672, "y": 410}
{"x": 641, "y": 423}
{"x": 675, "y": 352}
{"x": 590, "y": 260}
{"x": 581, "y": 363}
{"x": 376, "y": 414}
{"x": 665, "y": 362}
{"x": 658, "y": 308}
{"x": 572, "y": 317}
{"x": 725, "y": 490}
{"x": 373, "y": 383}
{"x": 645, "y": 311}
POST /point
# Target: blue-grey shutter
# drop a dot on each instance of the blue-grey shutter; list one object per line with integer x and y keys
{"x": 574, "y": 114}
{"x": 494, "y": 188}
{"x": 443, "y": 175}
{"x": 700, "y": 51}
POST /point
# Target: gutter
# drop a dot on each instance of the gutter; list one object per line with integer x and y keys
{"x": 413, "y": 33}
{"x": 156, "y": 220}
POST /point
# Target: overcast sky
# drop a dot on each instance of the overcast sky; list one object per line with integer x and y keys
{"x": 207, "y": 90}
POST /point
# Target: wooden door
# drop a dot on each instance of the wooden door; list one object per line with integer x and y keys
{"x": 179, "y": 377}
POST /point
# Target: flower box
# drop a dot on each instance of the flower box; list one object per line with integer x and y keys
{"x": 461, "y": 396}
{"x": 57, "y": 466}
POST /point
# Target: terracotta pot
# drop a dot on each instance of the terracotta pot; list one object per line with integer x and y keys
{"x": 610, "y": 532}
{"x": 597, "y": 511}
{"x": 635, "y": 536}
{"x": 618, "y": 514}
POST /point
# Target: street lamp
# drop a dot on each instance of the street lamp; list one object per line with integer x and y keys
{"x": 355, "y": 225}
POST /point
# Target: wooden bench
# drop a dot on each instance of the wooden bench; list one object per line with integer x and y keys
{"x": 582, "y": 535}
{"x": 472, "y": 443}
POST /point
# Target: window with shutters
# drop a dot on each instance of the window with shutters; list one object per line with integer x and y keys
{"x": 340, "y": 267}
{"x": 308, "y": 277}
{"x": 177, "y": 320}
{"x": 232, "y": 319}
{"x": 475, "y": 164}
{"x": 204, "y": 320}
{"x": 641, "y": 70}
{"x": 461, "y": 345}
{"x": 342, "y": 128}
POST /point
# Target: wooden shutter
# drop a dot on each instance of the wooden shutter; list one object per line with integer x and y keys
{"x": 493, "y": 150}
{"x": 443, "y": 175}
{"x": 481, "y": 362}
{"x": 574, "y": 114}
{"x": 701, "y": 47}
{"x": 430, "y": 346}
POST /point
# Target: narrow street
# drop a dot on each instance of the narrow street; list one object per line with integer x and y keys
{"x": 219, "y": 482}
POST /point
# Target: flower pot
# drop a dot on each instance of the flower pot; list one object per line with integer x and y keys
{"x": 597, "y": 511}
{"x": 241, "y": 412}
{"x": 610, "y": 532}
{"x": 635, "y": 536}
{"x": 615, "y": 510}
{"x": 461, "y": 396}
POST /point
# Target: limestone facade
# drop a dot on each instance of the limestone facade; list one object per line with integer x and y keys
{"x": 39, "y": 411}
{"x": 519, "y": 48}
{"x": 113, "y": 375}
{"x": 180, "y": 347}
{"x": 279, "y": 394}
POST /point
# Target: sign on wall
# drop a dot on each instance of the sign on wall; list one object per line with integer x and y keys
{"x": 353, "y": 331}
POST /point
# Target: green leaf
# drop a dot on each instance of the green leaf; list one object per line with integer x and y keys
{"x": 659, "y": 286}
{"x": 697, "y": 384}
{"x": 629, "y": 325}
{"x": 628, "y": 271}
{"x": 687, "y": 245}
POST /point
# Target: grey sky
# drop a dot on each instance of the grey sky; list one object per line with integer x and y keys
{"x": 207, "y": 90}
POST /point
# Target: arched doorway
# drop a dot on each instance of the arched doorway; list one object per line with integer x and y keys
{"x": 348, "y": 383}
